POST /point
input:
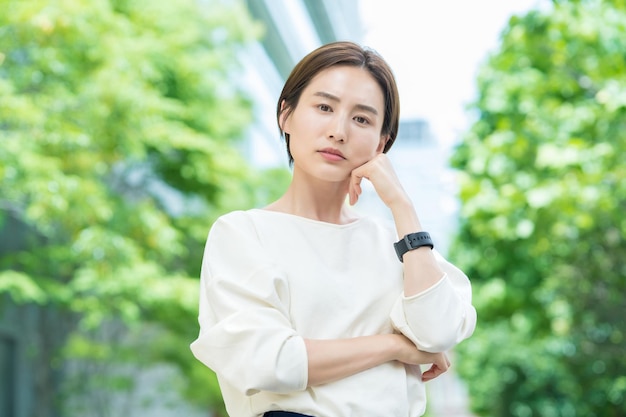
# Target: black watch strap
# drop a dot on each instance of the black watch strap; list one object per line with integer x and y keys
{"x": 412, "y": 241}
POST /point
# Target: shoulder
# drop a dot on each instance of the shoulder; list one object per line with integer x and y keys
{"x": 231, "y": 234}
{"x": 234, "y": 222}
{"x": 238, "y": 217}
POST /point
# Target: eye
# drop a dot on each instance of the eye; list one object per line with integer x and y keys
{"x": 361, "y": 120}
{"x": 324, "y": 107}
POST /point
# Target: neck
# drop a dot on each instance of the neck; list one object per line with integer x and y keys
{"x": 317, "y": 200}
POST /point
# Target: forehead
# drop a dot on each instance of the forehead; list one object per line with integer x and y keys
{"x": 349, "y": 84}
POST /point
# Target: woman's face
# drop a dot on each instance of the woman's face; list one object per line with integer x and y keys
{"x": 336, "y": 126}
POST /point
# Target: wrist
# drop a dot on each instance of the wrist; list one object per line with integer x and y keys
{"x": 405, "y": 218}
{"x": 401, "y": 205}
{"x": 412, "y": 241}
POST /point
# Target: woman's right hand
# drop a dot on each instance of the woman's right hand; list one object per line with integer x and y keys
{"x": 408, "y": 353}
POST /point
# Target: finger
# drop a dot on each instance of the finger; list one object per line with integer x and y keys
{"x": 351, "y": 193}
{"x": 355, "y": 189}
{"x": 432, "y": 373}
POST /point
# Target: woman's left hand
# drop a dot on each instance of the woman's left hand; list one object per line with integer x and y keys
{"x": 381, "y": 174}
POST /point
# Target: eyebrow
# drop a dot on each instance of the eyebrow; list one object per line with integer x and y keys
{"x": 332, "y": 97}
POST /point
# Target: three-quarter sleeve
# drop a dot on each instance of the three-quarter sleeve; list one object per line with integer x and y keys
{"x": 440, "y": 317}
{"x": 246, "y": 335}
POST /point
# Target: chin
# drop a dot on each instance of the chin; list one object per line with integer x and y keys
{"x": 331, "y": 175}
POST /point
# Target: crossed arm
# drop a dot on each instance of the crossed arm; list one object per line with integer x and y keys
{"x": 330, "y": 360}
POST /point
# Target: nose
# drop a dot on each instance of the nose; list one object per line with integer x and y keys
{"x": 337, "y": 130}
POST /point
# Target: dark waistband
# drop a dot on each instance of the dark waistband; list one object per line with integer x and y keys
{"x": 284, "y": 414}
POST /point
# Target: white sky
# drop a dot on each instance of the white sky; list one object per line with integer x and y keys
{"x": 435, "y": 48}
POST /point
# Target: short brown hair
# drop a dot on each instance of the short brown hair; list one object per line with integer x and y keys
{"x": 335, "y": 54}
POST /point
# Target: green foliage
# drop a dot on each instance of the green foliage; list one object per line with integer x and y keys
{"x": 543, "y": 226}
{"x": 118, "y": 121}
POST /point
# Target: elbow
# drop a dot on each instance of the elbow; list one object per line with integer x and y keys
{"x": 445, "y": 337}
{"x": 286, "y": 372}
{"x": 266, "y": 368}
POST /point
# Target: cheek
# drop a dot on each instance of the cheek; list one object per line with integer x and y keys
{"x": 285, "y": 123}
{"x": 299, "y": 123}
{"x": 381, "y": 144}
{"x": 366, "y": 153}
{"x": 375, "y": 145}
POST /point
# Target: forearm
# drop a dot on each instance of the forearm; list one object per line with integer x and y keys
{"x": 331, "y": 360}
{"x": 421, "y": 270}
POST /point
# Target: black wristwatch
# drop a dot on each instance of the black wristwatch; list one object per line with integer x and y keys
{"x": 412, "y": 241}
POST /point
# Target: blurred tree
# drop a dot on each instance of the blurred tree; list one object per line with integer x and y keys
{"x": 119, "y": 122}
{"x": 542, "y": 230}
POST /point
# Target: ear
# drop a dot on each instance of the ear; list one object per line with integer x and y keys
{"x": 282, "y": 119}
{"x": 381, "y": 145}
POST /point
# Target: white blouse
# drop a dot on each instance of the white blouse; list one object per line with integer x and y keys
{"x": 271, "y": 279}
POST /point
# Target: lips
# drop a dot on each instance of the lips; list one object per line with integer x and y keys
{"x": 332, "y": 153}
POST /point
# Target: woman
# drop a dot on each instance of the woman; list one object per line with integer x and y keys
{"x": 308, "y": 308}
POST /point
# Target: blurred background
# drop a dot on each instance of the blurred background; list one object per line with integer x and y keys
{"x": 128, "y": 126}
